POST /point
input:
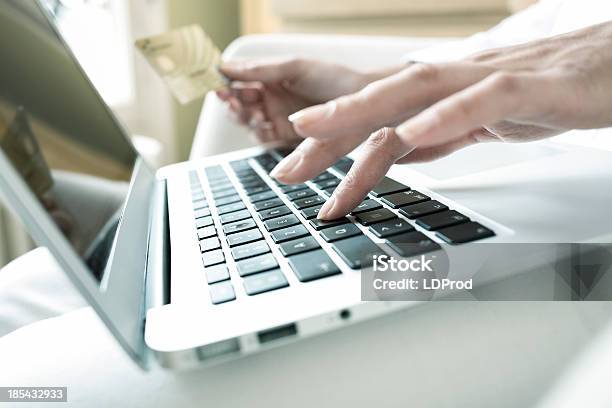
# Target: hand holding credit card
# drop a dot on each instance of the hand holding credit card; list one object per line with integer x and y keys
{"x": 186, "y": 59}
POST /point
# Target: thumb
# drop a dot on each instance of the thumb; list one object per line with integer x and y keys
{"x": 265, "y": 70}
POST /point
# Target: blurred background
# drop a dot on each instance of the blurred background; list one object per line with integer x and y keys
{"x": 102, "y": 32}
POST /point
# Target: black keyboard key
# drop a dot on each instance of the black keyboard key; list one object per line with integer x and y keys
{"x": 214, "y": 171}
{"x": 404, "y": 198}
{"x": 235, "y": 216}
{"x": 308, "y": 202}
{"x": 198, "y": 196}
{"x": 266, "y": 160}
{"x": 388, "y": 186}
{"x": 253, "y": 183}
{"x": 325, "y": 184}
{"x": 264, "y": 205}
{"x": 244, "y": 237}
{"x": 441, "y": 220}
{"x": 340, "y": 232}
{"x": 412, "y": 244}
{"x": 313, "y": 265}
{"x": 204, "y": 212}
{"x": 374, "y": 216}
{"x": 329, "y": 191}
{"x": 227, "y": 200}
{"x": 466, "y": 232}
{"x": 326, "y": 175}
{"x": 225, "y": 209}
{"x": 264, "y": 282}
{"x": 290, "y": 188}
{"x": 240, "y": 165}
{"x": 198, "y": 205}
{"x": 357, "y": 252}
{"x": 367, "y": 205}
{"x": 289, "y": 233}
{"x": 222, "y": 292}
{"x": 239, "y": 226}
{"x": 207, "y": 232}
{"x": 391, "y": 227}
{"x": 311, "y": 212}
{"x": 224, "y": 193}
{"x": 297, "y": 246}
{"x": 210, "y": 244}
{"x": 343, "y": 165}
{"x": 248, "y": 176}
{"x": 281, "y": 222}
{"x": 204, "y": 222}
{"x": 318, "y": 224}
{"x": 211, "y": 258}
{"x": 213, "y": 183}
{"x": 222, "y": 187}
{"x": 274, "y": 212}
{"x": 257, "y": 264}
{"x": 296, "y": 195}
{"x": 262, "y": 196}
{"x": 217, "y": 273}
{"x": 250, "y": 250}
{"x": 421, "y": 209}
{"x": 256, "y": 190}
{"x": 245, "y": 172}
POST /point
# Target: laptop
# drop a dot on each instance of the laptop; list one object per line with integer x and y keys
{"x": 209, "y": 260}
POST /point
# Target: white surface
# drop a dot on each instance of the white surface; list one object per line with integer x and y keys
{"x": 441, "y": 355}
{"x": 587, "y": 382}
{"x": 32, "y": 288}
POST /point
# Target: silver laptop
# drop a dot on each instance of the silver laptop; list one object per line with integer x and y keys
{"x": 210, "y": 260}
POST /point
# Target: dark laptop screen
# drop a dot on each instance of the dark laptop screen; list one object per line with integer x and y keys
{"x": 59, "y": 135}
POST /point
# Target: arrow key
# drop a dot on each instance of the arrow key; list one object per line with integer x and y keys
{"x": 391, "y": 227}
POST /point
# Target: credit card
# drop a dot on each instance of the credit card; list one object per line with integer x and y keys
{"x": 186, "y": 59}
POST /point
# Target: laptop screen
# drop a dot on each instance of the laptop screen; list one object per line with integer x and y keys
{"x": 59, "y": 136}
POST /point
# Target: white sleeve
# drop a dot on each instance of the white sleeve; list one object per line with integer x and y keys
{"x": 532, "y": 23}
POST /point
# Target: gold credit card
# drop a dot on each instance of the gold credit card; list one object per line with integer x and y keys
{"x": 186, "y": 59}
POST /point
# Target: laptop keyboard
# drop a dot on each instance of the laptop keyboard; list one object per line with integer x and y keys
{"x": 258, "y": 267}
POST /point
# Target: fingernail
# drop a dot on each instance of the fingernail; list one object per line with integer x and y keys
{"x": 287, "y": 164}
{"x": 312, "y": 114}
{"x": 327, "y": 208}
